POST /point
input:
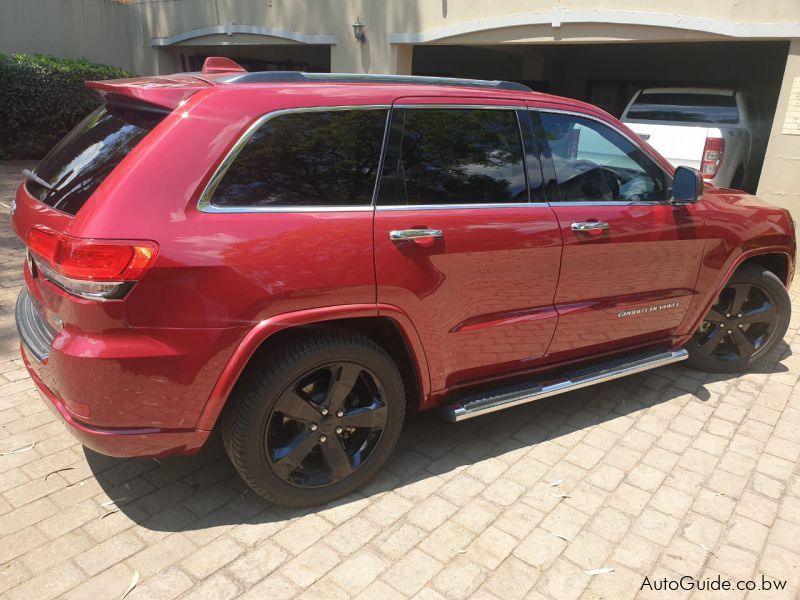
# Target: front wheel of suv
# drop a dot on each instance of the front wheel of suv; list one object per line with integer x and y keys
{"x": 748, "y": 321}
{"x": 316, "y": 419}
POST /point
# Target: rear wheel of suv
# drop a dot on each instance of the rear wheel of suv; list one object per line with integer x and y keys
{"x": 749, "y": 319}
{"x": 315, "y": 420}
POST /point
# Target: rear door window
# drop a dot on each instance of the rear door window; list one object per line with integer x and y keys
{"x": 453, "y": 156}
{"x": 79, "y": 163}
{"x": 307, "y": 158}
{"x": 687, "y": 108}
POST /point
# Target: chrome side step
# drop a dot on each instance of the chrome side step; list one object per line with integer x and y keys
{"x": 481, "y": 404}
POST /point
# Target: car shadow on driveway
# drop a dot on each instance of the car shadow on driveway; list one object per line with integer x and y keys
{"x": 204, "y": 491}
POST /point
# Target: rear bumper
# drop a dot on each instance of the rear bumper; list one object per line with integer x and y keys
{"x": 120, "y": 442}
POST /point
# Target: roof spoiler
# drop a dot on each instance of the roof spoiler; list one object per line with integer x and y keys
{"x": 165, "y": 91}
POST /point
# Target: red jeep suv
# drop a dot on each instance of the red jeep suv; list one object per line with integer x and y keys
{"x": 300, "y": 259}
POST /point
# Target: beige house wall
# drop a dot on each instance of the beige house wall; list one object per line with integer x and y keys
{"x": 146, "y": 36}
{"x": 780, "y": 176}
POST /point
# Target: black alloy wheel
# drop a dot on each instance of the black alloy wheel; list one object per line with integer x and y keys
{"x": 314, "y": 418}
{"x": 749, "y": 319}
{"x": 325, "y": 425}
{"x": 740, "y": 324}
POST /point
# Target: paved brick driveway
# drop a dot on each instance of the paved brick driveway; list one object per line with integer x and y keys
{"x": 666, "y": 474}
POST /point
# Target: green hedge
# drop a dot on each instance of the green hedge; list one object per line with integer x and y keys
{"x": 42, "y": 98}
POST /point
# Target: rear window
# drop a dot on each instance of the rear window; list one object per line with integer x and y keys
{"x": 692, "y": 108}
{"x": 80, "y": 162}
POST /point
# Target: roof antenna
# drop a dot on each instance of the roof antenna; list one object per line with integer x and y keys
{"x": 220, "y": 64}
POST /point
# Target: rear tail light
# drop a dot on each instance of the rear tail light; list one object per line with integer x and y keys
{"x": 713, "y": 151}
{"x": 93, "y": 269}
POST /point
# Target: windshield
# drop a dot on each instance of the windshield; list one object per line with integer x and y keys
{"x": 692, "y": 108}
{"x": 79, "y": 163}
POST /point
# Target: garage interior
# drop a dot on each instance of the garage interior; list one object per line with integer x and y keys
{"x": 260, "y": 57}
{"x": 608, "y": 75}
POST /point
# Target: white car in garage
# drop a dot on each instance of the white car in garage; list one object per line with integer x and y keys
{"x": 717, "y": 131}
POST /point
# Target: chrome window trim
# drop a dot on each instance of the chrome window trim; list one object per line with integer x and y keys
{"x": 461, "y": 206}
{"x": 205, "y": 205}
{"x": 609, "y": 203}
{"x": 627, "y": 137}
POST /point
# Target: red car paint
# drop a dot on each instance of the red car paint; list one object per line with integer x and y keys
{"x": 510, "y": 292}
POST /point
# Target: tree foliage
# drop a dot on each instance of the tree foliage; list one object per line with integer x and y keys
{"x": 41, "y": 98}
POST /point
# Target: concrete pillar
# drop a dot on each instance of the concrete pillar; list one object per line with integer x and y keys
{"x": 780, "y": 176}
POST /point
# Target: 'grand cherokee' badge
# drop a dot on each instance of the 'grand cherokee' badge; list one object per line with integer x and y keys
{"x": 648, "y": 309}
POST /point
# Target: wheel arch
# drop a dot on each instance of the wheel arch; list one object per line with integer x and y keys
{"x": 390, "y": 329}
{"x": 776, "y": 262}
{"x": 777, "y": 259}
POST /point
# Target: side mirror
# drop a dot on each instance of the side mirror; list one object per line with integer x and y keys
{"x": 687, "y": 186}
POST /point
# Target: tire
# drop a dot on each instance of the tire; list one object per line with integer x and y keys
{"x": 731, "y": 344}
{"x": 285, "y": 443}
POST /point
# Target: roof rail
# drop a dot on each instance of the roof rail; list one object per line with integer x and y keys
{"x": 300, "y": 77}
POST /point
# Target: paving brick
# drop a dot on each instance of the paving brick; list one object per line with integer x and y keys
{"x": 746, "y": 533}
{"x": 540, "y": 549}
{"x": 491, "y": 547}
{"x": 211, "y": 557}
{"x": 111, "y": 583}
{"x": 447, "y": 541}
{"x": 398, "y": 540}
{"x": 19, "y": 543}
{"x": 46, "y": 555}
{"x": 431, "y": 513}
{"x": 166, "y": 585}
{"x": 275, "y": 587}
{"x": 302, "y": 533}
{"x": 50, "y": 584}
{"x": 713, "y": 504}
{"x": 358, "y": 571}
{"x": 655, "y": 526}
{"x": 161, "y": 554}
{"x": 110, "y": 552}
{"x": 217, "y": 587}
{"x": 563, "y": 580}
{"x": 511, "y": 580}
{"x": 310, "y": 565}
{"x": 637, "y": 553}
{"x": 412, "y": 572}
{"x": 459, "y": 578}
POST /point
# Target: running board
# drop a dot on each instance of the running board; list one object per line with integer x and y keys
{"x": 480, "y": 404}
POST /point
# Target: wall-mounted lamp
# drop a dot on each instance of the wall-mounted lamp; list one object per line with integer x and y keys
{"x": 358, "y": 30}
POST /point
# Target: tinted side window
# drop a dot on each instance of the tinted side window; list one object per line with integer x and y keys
{"x": 453, "y": 156}
{"x": 595, "y": 163}
{"x": 310, "y": 158}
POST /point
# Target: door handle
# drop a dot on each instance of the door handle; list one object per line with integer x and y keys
{"x": 414, "y": 234}
{"x": 590, "y": 226}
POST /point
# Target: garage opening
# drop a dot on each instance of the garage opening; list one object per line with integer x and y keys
{"x": 261, "y": 57}
{"x": 608, "y": 75}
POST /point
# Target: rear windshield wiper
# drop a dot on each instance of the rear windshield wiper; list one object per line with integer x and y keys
{"x": 34, "y": 177}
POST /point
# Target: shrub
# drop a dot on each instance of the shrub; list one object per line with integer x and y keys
{"x": 42, "y": 98}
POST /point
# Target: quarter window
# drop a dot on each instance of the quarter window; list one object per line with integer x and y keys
{"x": 595, "y": 163}
{"x": 307, "y": 158}
{"x": 453, "y": 156}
